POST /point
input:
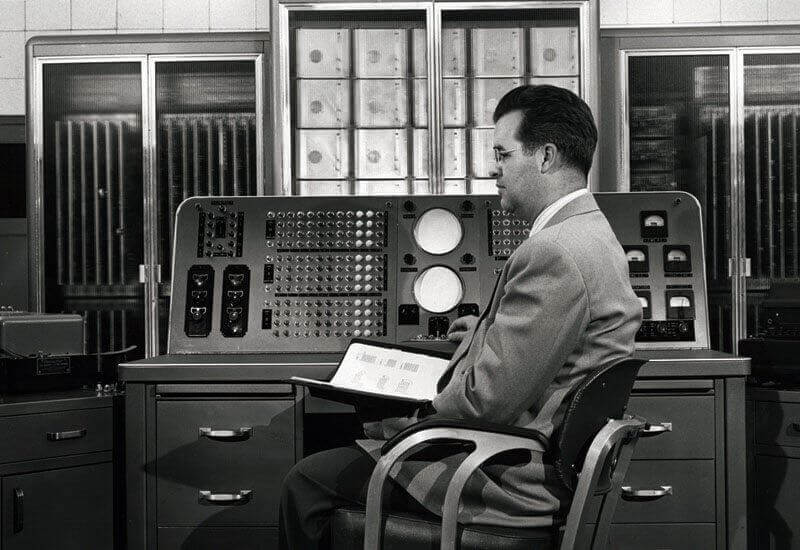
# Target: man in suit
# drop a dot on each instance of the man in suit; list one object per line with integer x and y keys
{"x": 562, "y": 308}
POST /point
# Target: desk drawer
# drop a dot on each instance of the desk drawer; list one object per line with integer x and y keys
{"x": 777, "y": 423}
{"x": 691, "y": 430}
{"x": 691, "y": 495}
{"x": 222, "y": 462}
{"x": 201, "y": 538}
{"x": 676, "y": 536}
{"x": 46, "y": 435}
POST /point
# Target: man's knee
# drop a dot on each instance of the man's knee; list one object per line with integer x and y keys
{"x": 296, "y": 480}
{"x": 335, "y": 472}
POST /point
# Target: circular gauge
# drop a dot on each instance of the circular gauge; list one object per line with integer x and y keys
{"x": 438, "y": 289}
{"x": 677, "y": 255}
{"x": 679, "y": 301}
{"x": 654, "y": 220}
{"x": 636, "y": 255}
{"x": 438, "y": 231}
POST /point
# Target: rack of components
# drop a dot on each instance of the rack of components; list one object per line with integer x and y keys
{"x": 391, "y": 98}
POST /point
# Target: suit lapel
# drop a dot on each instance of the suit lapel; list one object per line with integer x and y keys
{"x": 462, "y": 350}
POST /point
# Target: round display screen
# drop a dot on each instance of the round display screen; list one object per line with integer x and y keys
{"x": 438, "y": 289}
{"x": 438, "y": 231}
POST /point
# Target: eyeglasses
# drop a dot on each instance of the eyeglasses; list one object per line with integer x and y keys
{"x": 501, "y": 154}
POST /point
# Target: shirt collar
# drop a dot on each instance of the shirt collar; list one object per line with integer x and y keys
{"x": 546, "y": 215}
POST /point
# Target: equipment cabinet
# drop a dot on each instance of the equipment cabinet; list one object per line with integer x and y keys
{"x": 205, "y": 462}
{"x": 57, "y": 473}
{"x": 774, "y": 463}
{"x": 682, "y": 461}
{"x": 127, "y": 127}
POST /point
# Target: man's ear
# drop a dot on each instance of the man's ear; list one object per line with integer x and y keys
{"x": 551, "y": 158}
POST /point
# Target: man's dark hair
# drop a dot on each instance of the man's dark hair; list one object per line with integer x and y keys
{"x": 553, "y": 115}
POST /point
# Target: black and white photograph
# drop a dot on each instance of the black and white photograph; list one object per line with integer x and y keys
{"x": 399, "y": 275}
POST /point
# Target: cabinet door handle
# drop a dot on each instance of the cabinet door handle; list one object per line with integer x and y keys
{"x": 19, "y": 510}
{"x": 628, "y": 493}
{"x": 656, "y": 429}
{"x": 238, "y": 434}
{"x": 240, "y": 497}
{"x": 61, "y": 436}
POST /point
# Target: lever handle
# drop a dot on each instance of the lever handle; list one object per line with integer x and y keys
{"x": 19, "y": 510}
{"x": 70, "y": 434}
{"x": 238, "y": 434}
{"x": 656, "y": 429}
{"x": 628, "y": 493}
{"x": 241, "y": 497}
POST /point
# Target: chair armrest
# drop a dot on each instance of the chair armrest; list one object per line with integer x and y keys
{"x": 471, "y": 425}
{"x": 625, "y": 432}
{"x": 486, "y": 440}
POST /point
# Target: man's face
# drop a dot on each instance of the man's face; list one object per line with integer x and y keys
{"x": 516, "y": 172}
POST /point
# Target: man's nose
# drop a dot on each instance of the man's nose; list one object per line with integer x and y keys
{"x": 495, "y": 172}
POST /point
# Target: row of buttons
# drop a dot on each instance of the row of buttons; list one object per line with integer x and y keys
{"x": 358, "y": 287}
{"x": 320, "y": 214}
{"x": 340, "y": 234}
{"x": 326, "y": 259}
{"x": 325, "y": 333}
{"x": 369, "y": 243}
{"x": 326, "y": 313}
{"x": 331, "y": 223}
{"x": 327, "y": 278}
{"x": 328, "y": 323}
{"x": 319, "y": 303}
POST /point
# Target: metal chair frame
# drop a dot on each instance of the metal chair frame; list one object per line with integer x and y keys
{"x": 612, "y": 447}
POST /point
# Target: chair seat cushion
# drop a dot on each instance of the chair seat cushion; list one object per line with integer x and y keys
{"x": 407, "y": 532}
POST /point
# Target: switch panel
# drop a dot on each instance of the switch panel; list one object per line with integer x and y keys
{"x": 200, "y": 299}
{"x": 235, "y": 301}
{"x": 300, "y": 274}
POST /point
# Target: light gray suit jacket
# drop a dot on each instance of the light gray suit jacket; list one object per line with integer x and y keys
{"x": 563, "y": 307}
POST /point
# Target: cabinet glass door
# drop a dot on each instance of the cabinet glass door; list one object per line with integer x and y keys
{"x": 91, "y": 193}
{"x": 207, "y": 143}
{"x": 357, "y": 83}
{"x": 679, "y": 123}
{"x": 771, "y": 124}
{"x": 484, "y": 54}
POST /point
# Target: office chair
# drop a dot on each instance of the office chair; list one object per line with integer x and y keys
{"x": 591, "y": 453}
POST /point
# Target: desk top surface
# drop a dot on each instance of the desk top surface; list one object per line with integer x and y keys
{"x": 277, "y": 367}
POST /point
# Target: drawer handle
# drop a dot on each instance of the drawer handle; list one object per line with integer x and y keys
{"x": 628, "y": 493}
{"x": 239, "y": 434}
{"x": 796, "y": 427}
{"x": 656, "y": 429}
{"x": 71, "y": 434}
{"x": 241, "y": 497}
{"x": 19, "y": 510}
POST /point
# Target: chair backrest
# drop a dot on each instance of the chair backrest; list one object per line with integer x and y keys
{"x": 601, "y": 397}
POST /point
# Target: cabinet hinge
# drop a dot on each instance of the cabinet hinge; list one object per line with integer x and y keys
{"x": 744, "y": 266}
{"x": 143, "y": 275}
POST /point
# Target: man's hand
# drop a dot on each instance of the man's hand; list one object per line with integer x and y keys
{"x": 388, "y": 427}
{"x": 374, "y": 430}
{"x": 461, "y": 327}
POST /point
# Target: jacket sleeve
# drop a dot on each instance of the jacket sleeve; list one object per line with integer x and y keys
{"x": 541, "y": 319}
